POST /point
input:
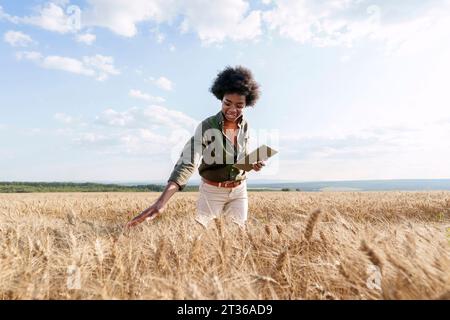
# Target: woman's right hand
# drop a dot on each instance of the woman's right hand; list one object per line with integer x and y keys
{"x": 148, "y": 214}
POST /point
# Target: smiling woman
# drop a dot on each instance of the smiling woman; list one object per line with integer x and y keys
{"x": 219, "y": 141}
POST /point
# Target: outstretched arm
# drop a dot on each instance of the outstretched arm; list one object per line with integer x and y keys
{"x": 181, "y": 173}
{"x": 156, "y": 208}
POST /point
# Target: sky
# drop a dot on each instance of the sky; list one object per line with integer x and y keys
{"x": 111, "y": 90}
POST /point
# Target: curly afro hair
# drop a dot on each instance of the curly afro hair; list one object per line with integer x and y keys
{"x": 236, "y": 80}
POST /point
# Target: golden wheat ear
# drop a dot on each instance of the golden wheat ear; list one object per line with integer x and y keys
{"x": 312, "y": 220}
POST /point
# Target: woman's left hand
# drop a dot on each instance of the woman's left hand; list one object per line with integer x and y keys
{"x": 258, "y": 165}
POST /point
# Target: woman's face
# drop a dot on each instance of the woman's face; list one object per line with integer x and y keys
{"x": 233, "y": 105}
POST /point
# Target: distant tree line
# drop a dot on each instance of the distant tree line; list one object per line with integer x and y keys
{"x": 27, "y": 187}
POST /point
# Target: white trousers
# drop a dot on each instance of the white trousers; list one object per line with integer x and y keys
{"x": 214, "y": 201}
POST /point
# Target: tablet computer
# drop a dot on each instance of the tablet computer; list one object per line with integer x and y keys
{"x": 261, "y": 154}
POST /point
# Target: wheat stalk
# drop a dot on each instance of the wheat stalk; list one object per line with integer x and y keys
{"x": 371, "y": 254}
{"x": 312, "y": 220}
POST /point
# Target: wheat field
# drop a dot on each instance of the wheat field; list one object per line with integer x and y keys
{"x": 296, "y": 245}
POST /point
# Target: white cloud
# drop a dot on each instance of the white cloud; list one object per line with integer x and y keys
{"x": 98, "y": 66}
{"x": 104, "y": 65}
{"x": 216, "y": 21}
{"x": 170, "y": 118}
{"x": 122, "y": 16}
{"x": 162, "y": 83}
{"x": 64, "y": 118}
{"x": 86, "y": 38}
{"x": 17, "y": 38}
{"x": 8, "y": 17}
{"x": 67, "y": 64}
{"x": 50, "y": 16}
{"x": 418, "y": 35}
{"x": 323, "y": 23}
{"x": 111, "y": 117}
{"x": 159, "y": 36}
{"x": 343, "y": 22}
{"x": 146, "y": 97}
{"x": 68, "y": 120}
{"x": 153, "y": 130}
{"x": 142, "y": 117}
{"x": 213, "y": 21}
{"x": 316, "y": 22}
{"x": 90, "y": 137}
{"x": 139, "y": 71}
{"x": 369, "y": 143}
{"x": 29, "y": 55}
{"x": 381, "y": 152}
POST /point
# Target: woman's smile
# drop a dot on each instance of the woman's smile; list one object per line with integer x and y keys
{"x": 232, "y": 106}
{"x": 231, "y": 116}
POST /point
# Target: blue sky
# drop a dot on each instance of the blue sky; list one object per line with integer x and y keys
{"x": 110, "y": 90}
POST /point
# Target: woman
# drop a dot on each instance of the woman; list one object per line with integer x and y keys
{"x": 219, "y": 142}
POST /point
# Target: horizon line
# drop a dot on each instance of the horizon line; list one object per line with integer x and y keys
{"x": 261, "y": 181}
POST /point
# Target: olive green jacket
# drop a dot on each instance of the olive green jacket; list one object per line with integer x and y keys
{"x": 214, "y": 150}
